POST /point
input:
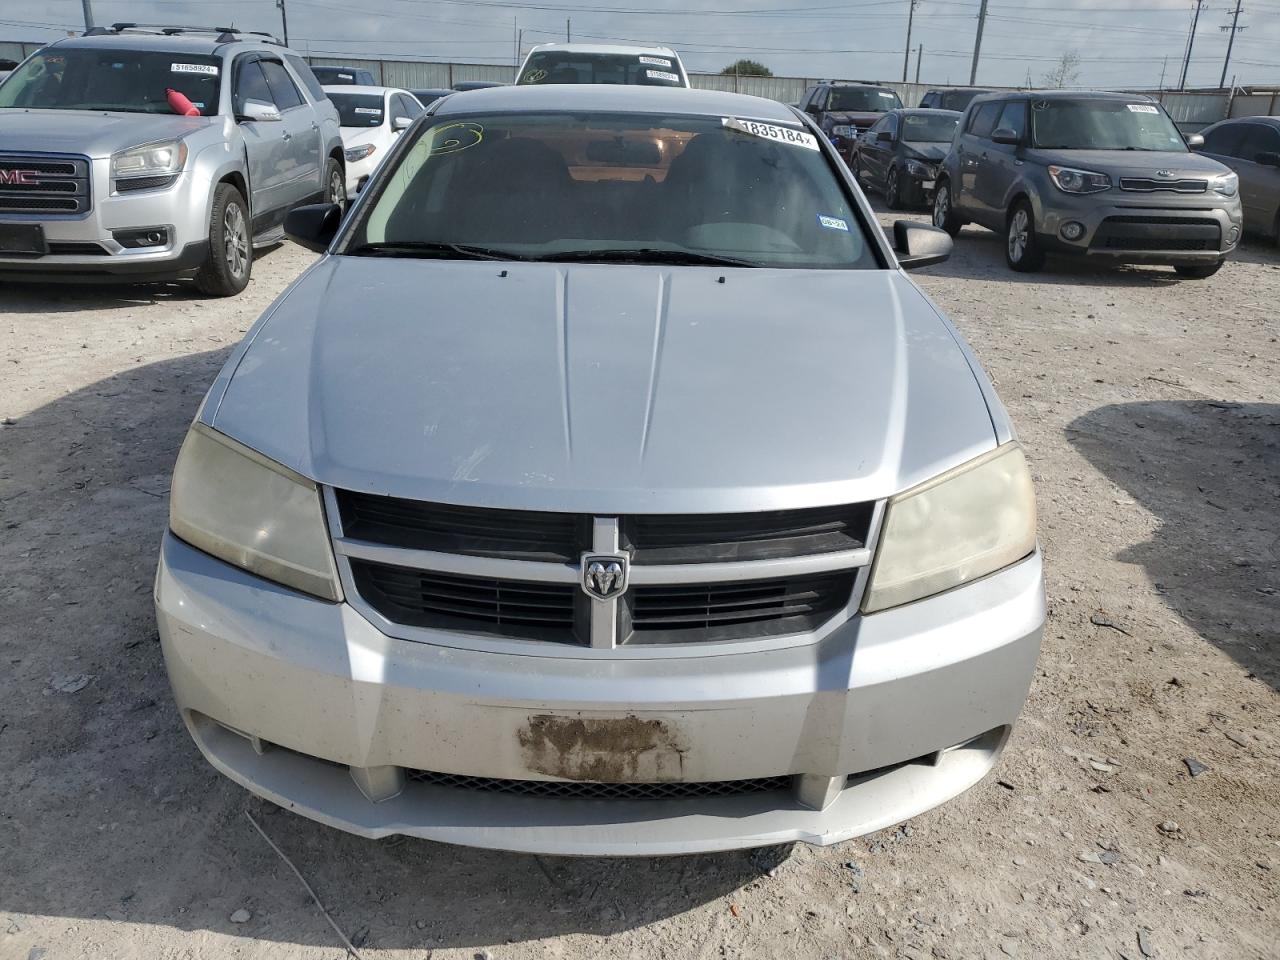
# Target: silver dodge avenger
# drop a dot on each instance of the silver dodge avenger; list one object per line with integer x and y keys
{"x": 605, "y": 488}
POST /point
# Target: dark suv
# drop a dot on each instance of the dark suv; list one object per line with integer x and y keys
{"x": 844, "y": 110}
{"x": 951, "y": 98}
{"x": 1102, "y": 175}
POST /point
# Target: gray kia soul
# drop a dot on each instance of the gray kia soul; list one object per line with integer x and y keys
{"x": 1104, "y": 175}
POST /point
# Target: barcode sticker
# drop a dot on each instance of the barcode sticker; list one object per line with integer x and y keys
{"x": 1141, "y": 108}
{"x": 207, "y": 69}
{"x": 660, "y": 75}
{"x": 770, "y": 131}
{"x": 373, "y": 111}
{"x": 655, "y": 61}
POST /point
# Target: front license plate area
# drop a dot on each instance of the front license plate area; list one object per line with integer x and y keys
{"x": 927, "y": 184}
{"x": 24, "y": 239}
{"x": 603, "y": 749}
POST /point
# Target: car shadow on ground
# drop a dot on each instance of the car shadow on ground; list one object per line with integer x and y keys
{"x": 1209, "y": 472}
{"x": 59, "y": 295}
{"x": 108, "y": 810}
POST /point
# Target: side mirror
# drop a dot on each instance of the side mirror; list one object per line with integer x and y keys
{"x": 884, "y": 136}
{"x": 399, "y": 124}
{"x": 916, "y": 244}
{"x": 1006, "y": 136}
{"x": 1195, "y": 141}
{"x": 313, "y": 226}
{"x": 1268, "y": 158}
{"x": 258, "y": 111}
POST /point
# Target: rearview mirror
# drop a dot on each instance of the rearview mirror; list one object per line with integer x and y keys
{"x": 258, "y": 111}
{"x": 1195, "y": 141}
{"x": 313, "y": 226}
{"x": 1006, "y": 136}
{"x": 919, "y": 245}
{"x": 401, "y": 123}
{"x": 1269, "y": 158}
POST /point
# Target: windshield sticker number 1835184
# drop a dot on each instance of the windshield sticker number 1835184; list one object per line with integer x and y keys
{"x": 772, "y": 131}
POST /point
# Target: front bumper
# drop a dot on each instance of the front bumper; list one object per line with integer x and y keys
{"x": 1198, "y": 229}
{"x": 307, "y": 704}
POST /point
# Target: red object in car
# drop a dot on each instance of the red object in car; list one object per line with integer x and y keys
{"x": 179, "y": 103}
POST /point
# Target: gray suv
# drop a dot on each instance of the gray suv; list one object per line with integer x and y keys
{"x": 1102, "y": 175}
{"x": 152, "y": 153}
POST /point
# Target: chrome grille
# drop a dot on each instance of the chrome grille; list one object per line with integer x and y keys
{"x": 42, "y": 184}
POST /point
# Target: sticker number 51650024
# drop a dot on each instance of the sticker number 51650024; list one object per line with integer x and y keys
{"x": 770, "y": 131}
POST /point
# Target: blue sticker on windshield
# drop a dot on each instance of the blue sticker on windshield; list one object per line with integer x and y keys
{"x": 833, "y": 223}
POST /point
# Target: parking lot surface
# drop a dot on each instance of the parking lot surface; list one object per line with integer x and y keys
{"x": 1135, "y": 814}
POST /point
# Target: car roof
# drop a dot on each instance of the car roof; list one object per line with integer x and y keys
{"x": 1269, "y": 121}
{"x": 1066, "y": 95}
{"x": 963, "y": 90}
{"x": 927, "y": 112}
{"x": 197, "y": 43}
{"x": 621, "y": 48}
{"x": 614, "y": 98}
{"x": 855, "y": 83}
{"x": 360, "y": 88}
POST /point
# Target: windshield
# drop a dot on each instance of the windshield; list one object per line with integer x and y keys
{"x": 133, "y": 81}
{"x": 358, "y": 109}
{"x": 1103, "y": 125}
{"x": 957, "y": 99}
{"x": 334, "y": 76}
{"x": 614, "y": 188}
{"x": 863, "y": 100}
{"x": 928, "y": 128}
{"x": 566, "y": 66}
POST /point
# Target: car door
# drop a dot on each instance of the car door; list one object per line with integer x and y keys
{"x": 1000, "y": 163}
{"x": 267, "y": 148}
{"x": 867, "y": 144}
{"x": 972, "y": 148}
{"x": 301, "y": 134}
{"x": 1259, "y": 182}
{"x": 884, "y": 149}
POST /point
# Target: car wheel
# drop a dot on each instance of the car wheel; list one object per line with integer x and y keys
{"x": 1022, "y": 249}
{"x": 893, "y": 190}
{"x": 944, "y": 216}
{"x": 1199, "y": 271}
{"x": 229, "y": 262}
{"x": 335, "y": 180}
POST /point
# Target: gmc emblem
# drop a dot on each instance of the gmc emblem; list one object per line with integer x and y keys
{"x": 19, "y": 178}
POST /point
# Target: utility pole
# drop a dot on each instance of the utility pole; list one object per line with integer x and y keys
{"x": 515, "y": 41}
{"x": 1164, "y": 65}
{"x": 1231, "y": 39}
{"x": 1191, "y": 40}
{"x": 919, "y": 57}
{"x": 88, "y": 13}
{"x": 567, "y": 37}
{"x": 977, "y": 42}
{"x": 906, "y": 56}
{"x": 284, "y": 20}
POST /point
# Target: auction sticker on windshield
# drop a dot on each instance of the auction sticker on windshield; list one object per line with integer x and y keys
{"x": 205, "y": 68}
{"x": 770, "y": 131}
{"x": 655, "y": 61}
{"x": 661, "y": 75}
{"x": 1141, "y": 108}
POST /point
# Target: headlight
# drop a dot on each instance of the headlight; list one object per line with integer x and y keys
{"x": 1227, "y": 185}
{"x": 1069, "y": 180}
{"x": 241, "y": 507}
{"x": 360, "y": 152}
{"x": 922, "y": 170}
{"x": 149, "y": 160}
{"x": 965, "y": 524}
{"x": 844, "y": 130}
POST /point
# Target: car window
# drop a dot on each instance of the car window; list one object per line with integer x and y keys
{"x": 283, "y": 90}
{"x": 957, "y": 99}
{"x": 929, "y": 127}
{"x": 307, "y": 77}
{"x": 808, "y": 97}
{"x": 358, "y": 109}
{"x": 1258, "y": 138}
{"x": 1224, "y": 139}
{"x": 928, "y": 99}
{"x": 251, "y": 84}
{"x": 557, "y": 185}
{"x": 572, "y": 66}
{"x": 132, "y": 81}
{"x": 878, "y": 125}
{"x": 334, "y": 75}
{"x": 1089, "y": 124}
{"x": 863, "y": 100}
{"x": 1013, "y": 117}
{"x": 891, "y": 124}
{"x": 984, "y": 119}
{"x": 410, "y": 106}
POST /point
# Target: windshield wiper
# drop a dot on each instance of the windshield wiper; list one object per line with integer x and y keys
{"x": 429, "y": 250}
{"x": 648, "y": 255}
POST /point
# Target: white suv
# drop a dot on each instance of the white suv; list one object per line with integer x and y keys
{"x": 603, "y": 63}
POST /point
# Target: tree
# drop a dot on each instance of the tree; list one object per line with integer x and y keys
{"x": 747, "y": 68}
{"x": 1065, "y": 72}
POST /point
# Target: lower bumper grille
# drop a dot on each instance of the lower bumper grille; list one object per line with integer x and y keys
{"x": 577, "y": 790}
{"x": 1154, "y": 234}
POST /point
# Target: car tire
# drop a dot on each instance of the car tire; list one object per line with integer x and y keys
{"x": 335, "y": 184}
{"x": 1199, "y": 271}
{"x": 944, "y": 215}
{"x": 229, "y": 262}
{"x": 1022, "y": 251}
{"x": 893, "y": 190}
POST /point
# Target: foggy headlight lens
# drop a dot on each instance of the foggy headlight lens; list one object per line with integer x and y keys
{"x": 921, "y": 170}
{"x": 1069, "y": 180}
{"x": 1227, "y": 185}
{"x": 149, "y": 160}
{"x": 241, "y": 507}
{"x": 965, "y": 524}
{"x": 360, "y": 152}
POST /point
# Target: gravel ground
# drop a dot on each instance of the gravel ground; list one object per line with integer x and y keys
{"x": 1150, "y": 410}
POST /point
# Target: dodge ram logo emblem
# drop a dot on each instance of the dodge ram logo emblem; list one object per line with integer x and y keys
{"x": 23, "y": 178}
{"x": 604, "y": 577}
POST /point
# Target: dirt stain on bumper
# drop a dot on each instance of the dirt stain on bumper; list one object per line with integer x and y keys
{"x": 605, "y": 750}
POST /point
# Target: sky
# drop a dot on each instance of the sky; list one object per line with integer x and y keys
{"x": 1119, "y": 43}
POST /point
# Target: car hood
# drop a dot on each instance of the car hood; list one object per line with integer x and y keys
{"x": 926, "y": 150}
{"x": 88, "y": 132}
{"x": 1133, "y": 163}
{"x": 605, "y": 389}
